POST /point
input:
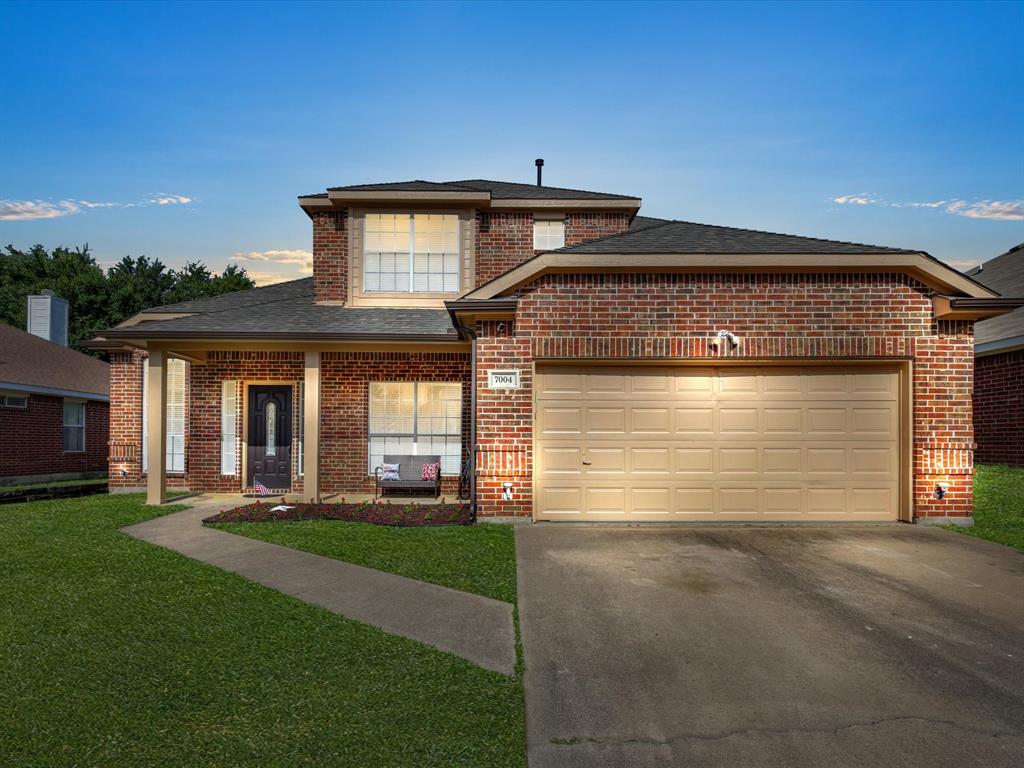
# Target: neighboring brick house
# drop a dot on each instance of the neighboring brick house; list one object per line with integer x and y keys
{"x": 999, "y": 366}
{"x": 573, "y": 360}
{"x": 54, "y": 410}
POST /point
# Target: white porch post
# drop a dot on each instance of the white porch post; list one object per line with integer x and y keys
{"x": 156, "y": 421}
{"x": 311, "y": 429}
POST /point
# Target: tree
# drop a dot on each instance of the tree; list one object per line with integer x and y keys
{"x": 97, "y": 300}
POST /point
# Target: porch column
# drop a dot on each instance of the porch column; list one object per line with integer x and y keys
{"x": 156, "y": 421}
{"x": 311, "y": 429}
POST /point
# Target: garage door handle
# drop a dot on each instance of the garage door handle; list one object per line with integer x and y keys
{"x": 586, "y": 463}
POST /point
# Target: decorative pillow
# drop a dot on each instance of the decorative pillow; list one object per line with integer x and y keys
{"x": 389, "y": 471}
{"x": 430, "y": 471}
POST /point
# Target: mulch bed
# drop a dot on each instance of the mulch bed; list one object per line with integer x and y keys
{"x": 378, "y": 513}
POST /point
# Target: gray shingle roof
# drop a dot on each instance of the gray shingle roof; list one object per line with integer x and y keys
{"x": 507, "y": 190}
{"x": 245, "y": 298}
{"x": 1005, "y": 275}
{"x": 499, "y": 190}
{"x": 287, "y": 310}
{"x": 688, "y": 237}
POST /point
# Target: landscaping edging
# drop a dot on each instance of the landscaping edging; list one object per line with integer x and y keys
{"x": 54, "y": 492}
{"x": 376, "y": 513}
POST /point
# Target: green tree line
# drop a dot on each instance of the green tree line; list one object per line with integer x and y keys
{"x": 99, "y": 299}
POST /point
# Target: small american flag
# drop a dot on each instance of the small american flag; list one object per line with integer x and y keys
{"x": 261, "y": 489}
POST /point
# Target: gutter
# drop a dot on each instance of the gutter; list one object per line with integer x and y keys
{"x": 113, "y": 334}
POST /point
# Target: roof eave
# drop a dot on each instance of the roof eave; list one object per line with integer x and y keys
{"x": 923, "y": 267}
{"x": 973, "y": 308}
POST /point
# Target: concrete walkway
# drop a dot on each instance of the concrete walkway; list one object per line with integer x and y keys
{"x": 471, "y": 626}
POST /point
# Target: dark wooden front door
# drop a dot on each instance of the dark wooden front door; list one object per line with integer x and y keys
{"x": 270, "y": 436}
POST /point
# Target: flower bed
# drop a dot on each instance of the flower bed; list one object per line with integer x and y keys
{"x": 378, "y": 513}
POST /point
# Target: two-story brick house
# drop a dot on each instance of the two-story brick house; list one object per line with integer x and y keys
{"x": 576, "y": 360}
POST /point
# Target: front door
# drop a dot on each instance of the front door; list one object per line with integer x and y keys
{"x": 270, "y": 437}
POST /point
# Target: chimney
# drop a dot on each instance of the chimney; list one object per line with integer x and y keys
{"x": 48, "y": 317}
{"x": 539, "y": 162}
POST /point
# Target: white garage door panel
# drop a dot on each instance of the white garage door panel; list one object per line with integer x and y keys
{"x": 807, "y": 443}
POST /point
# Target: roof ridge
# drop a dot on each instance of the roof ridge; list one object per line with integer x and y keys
{"x": 545, "y": 186}
{"x": 392, "y": 183}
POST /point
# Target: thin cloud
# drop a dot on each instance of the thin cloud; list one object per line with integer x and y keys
{"x": 861, "y": 199}
{"x": 996, "y": 210}
{"x": 302, "y": 259}
{"x": 30, "y": 210}
{"x": 267, "y": 278}
{"x": 962, "y": 264}
{"x": 162, "y": 199}
{"x": 999, "y": 210}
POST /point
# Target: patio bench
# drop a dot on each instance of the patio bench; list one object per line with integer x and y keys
{"x": 410, "y": 475}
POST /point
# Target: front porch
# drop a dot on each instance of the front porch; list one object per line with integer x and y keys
{"x": 307, "y": 425}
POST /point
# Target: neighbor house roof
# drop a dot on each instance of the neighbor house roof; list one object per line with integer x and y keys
{"x": 286, "y": 310}
{"x": 1005, "y": 275}
{"x": 31, "y": 364}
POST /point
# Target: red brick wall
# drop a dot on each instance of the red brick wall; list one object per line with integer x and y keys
{"x": 504, "y": 239}
{"x": 583, "y": 226}
{"x": 330, "y": 255}
{"x": 344, "y": 413}
{"x": 33, "y": 439}
{"x": 126, "y": 410}
{"x": 999, "y": 408}
{"x": 670, "y": 316}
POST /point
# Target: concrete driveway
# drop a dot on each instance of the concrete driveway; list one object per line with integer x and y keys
{"x": 871, "y": 646}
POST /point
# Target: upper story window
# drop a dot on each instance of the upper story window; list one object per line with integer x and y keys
{"x": 548, "y": 234}
{"x": 411, "y": 253}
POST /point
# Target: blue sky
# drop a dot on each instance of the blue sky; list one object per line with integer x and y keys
{"x": 191, "y": 129}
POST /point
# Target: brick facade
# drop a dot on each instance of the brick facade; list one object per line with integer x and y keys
{"x": 33, "y": 439}
{"x": 345, "y": 378}
{"x": 504, "y": 239}
{"x": 583, "y": 226}
{"x": 344, "y": 413}
{"x": 999, "y": 408}
{"x": 672, "y": 316}
{"x": 330, "y": 255}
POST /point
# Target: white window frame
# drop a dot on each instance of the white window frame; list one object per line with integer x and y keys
{"x": 79, "y": 426}
{"x": 175, "y": 451}
{"x": 7, "y": 397}
{"x": 229, "y": 428}
{"x": 546, "y": 236}
{"x": 411, "y": 256}
{"x": 415, "y": 437}
{"x": 300, "y": 451}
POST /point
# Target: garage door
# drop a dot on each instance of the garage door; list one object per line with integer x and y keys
{"x": 686, "y": 443}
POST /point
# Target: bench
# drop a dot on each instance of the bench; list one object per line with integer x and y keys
{"x": 410, "y": 475}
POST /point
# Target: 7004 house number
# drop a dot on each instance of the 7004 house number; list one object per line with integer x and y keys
{"x": 503, "y": 379}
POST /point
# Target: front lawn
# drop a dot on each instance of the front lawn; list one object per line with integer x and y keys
{"x": 998, "y": 505}
{"x": 477, "y": 558}
{"x": 114, "y": 652}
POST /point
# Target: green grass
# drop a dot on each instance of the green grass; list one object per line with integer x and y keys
{"x": 52, "y": 484}
{"x": 114, "y": 652}
{"x": 998, "y": 505}
{"x": 472, "y": 558}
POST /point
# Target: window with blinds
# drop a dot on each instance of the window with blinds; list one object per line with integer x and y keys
{"x": 177, "y": 372}
{"x": 228, "y": 427}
